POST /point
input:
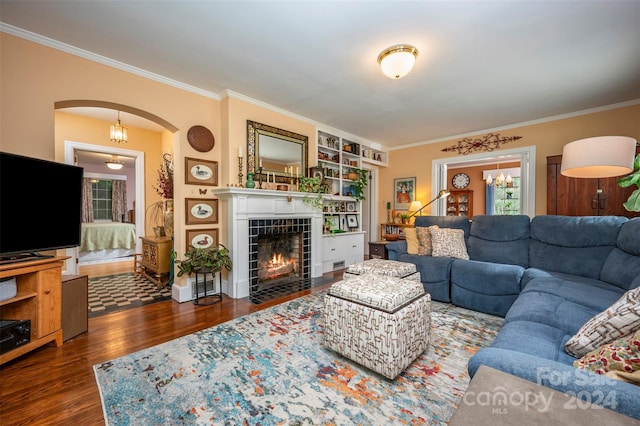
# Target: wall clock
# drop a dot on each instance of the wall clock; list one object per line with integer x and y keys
{"x": 460, "y": 180}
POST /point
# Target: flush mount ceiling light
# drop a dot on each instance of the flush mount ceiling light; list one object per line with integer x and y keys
{"x": 118, "y": 134}
{"x": 114, "y": 164}
{"x": 397, "y": 61}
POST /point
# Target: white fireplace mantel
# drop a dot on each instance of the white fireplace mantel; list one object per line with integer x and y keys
{"x": 244, "y": 204}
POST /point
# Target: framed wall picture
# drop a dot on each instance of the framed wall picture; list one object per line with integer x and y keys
{"x": 352, "y": 220}
{"x": 351, "y": 206}
{"x": 403, "y": 192}
{"x": 201, "y": 211}
{"x": 200, "y": 172}
{"x": 203, "y": 238}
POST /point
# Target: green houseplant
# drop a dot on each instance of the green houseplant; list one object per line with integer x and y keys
{"x": 360, "y": 183}
{"x": 210, "y": 259}
{"x": 313, "y": 185}
{"x": 633, "y": 202}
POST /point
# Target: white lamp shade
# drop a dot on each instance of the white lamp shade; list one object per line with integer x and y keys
{"x": 397, "y": 61}
{"x": 415, "y": 206}
{"x": 598, "y": 157}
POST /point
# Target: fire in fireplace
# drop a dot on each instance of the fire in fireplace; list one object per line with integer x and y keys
{"x": 279, "y": 257}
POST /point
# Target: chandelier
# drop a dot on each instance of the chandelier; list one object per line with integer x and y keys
{"x": 500, "y": 179}
{"x": 118, "y": 133}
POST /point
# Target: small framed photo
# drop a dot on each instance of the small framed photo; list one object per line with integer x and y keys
{"x": 352, "y": 220}
{"x": 202, "y": 238}
{"x": 200, "y": 172}
{"x": 403, "y": 192}
{"x": 201, "y": 211}
{"x": 351, "y": 206}
{"x": 316, "y": 172}
{"x": 333, "y": 222}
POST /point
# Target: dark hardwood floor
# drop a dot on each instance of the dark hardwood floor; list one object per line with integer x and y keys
{"x": 56, "y": 386}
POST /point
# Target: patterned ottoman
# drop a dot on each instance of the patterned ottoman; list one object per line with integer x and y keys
{"x": 380, "y": 322}
{"x": 390, "y": 268}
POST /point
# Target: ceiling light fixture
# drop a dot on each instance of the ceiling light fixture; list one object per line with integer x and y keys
{"x": 118, "y": 133}
{"x": 114, "y": 163}
{"x": 598, "y": 157}
{"x": 397, "y": 61}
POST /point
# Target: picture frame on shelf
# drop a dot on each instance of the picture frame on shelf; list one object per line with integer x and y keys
{"x": 352, "y": 220}
{"x": 351, "y": 206}
{"x": 202, "y": 238}
{"x": 316, "y": 172}
{"x": 333, "y": 222}
{"x": 403, "y": 192}
{"x": 201, "y": 211}
{"x": 200, "y": 172}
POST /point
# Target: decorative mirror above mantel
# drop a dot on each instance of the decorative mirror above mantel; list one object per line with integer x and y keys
{"x": 275, "y": 150}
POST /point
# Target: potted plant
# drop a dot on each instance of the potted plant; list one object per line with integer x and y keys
{"x": 633, "y": 202}
{"x": 360, "y": 183}
{"x": 156, "y": 217}
{"x": 204, "y": 259}
{"x": 313, "y": 185}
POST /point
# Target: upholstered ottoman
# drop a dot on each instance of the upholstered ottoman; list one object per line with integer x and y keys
{"x": 389, "y": 268}
{"x": 380, "y": 322}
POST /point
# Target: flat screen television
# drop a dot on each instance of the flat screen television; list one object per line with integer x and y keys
{"x": 40, "y": 206}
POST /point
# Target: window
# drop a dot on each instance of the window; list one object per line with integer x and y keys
{"x": 101, "y": 190}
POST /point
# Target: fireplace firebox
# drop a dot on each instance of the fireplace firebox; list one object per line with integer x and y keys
{"x": 279, "y": 257}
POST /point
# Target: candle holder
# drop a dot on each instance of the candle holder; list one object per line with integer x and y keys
{"x": 259, "y": 173}
{"x": 240, "y": 185}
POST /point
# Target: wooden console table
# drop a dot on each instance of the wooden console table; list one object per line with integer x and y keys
{"x": 156, "y": 259}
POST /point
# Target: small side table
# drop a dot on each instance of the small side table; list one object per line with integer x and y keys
{"x": 378, "y": 250}
{"x": 202, "y": 295}
{"x": 156, "y": 259}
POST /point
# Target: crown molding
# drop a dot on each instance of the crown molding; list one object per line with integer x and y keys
{"x": 522, "y": 124}
{"x": 54, "y": 44}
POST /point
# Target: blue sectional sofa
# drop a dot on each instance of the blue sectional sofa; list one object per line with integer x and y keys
{"x": 546, "y": 276}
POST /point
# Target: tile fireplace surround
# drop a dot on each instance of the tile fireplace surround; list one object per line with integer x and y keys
{"x": 243, "y": 205}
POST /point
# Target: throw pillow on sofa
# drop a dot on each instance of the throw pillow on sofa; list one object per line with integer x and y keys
{"x": 425, "y": 247}
{"x": 412, "y": 240}
{"x": 618, "y": 320}
{"x": 622, "y": 354}
{"x": 448, "y": 242}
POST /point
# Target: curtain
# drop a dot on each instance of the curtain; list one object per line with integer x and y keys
{"x": 87, "y": 201}
{"x": 490, "y": 200}
{"x": 119, "y": 200}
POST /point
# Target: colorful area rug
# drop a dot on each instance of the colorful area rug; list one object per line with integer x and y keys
{"x": 122, "y": 291}
{"x": 270, "y": 368}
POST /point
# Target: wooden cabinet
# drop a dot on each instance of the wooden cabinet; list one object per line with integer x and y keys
{"x": 38, "y": 299}
{"x": 584, "y": 196}
{"x": 460, "y": 203}
{"x": 378, "y": 250}
{"x": 156, "y": 258}
{"x": 342, "y": 250}
{"x": 75, "y": 305}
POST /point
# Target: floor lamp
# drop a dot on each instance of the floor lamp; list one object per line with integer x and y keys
{"x": 443, "y": 193}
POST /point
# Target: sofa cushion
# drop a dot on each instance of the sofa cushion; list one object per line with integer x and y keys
{"x": 435, "y": 273}
{"x": 534, "y": 338}
{"x": 622, "y": 266}
{"x": 500, "y": 239}
{"x": 593, "y": 294}
{"x": 619, "y": 320}
{"x": 550, "y": 309}
{"x": 622, "y": 354}
{"x": 425, "y": 247}
{"x": 455, "y": 222}
{"x": 563, "y": 243}
{"x": 448, "y": 242}
{"x": 411, "y": 238}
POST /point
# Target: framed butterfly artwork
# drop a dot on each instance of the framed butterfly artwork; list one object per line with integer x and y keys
{"x": 201, "y": 211}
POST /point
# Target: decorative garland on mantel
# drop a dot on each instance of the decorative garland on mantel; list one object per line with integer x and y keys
{"x": 488, "y": 142}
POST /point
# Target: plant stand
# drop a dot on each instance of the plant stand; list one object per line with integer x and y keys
{"x": 204, "y": 295}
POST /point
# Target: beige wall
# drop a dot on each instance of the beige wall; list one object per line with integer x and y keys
{"x": 549, "y": 138}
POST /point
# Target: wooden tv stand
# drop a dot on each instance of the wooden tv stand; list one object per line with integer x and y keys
{"x": 38, "y": 298}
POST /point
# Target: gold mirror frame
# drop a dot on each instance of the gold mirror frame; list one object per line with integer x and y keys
{"x": 254, "y": 132}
